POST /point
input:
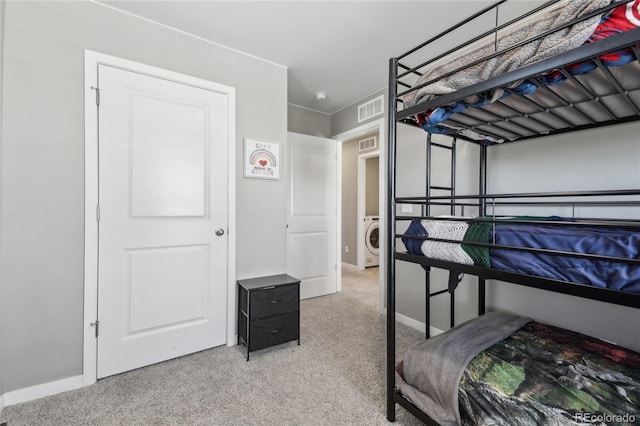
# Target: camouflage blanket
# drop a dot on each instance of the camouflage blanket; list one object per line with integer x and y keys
{"x": 544, "y": 375}
{"x": 431, "y": 370}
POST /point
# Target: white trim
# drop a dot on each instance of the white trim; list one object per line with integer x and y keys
{"x": 232, "y": 302}
{"x": 361, "y": 205}
{"x": 189, "y": 34}
{"x": 309, "y": 109}
{"x": 380, "y": 125}
{"x": 2, "y": 297}
{"x": 90, "y": 354}
{"x": 92, "y": 60}
{"x": 338, "y": 215}
{"x": 349, "y": 267}
{"x": 420, "y": 326}
{"x": 40, "y": 391}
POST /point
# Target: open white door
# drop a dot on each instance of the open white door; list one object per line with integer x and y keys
{"x": 312, "y": 229}
{"x": 163, "y": 219}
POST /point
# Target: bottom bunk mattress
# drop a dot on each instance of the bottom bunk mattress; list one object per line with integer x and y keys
{"x": 500, "y": 369}
{"x": 562, "y": 235}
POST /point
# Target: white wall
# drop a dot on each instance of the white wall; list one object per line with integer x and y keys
{"x": 41, "y": 250}
{"x": 308, "y": 122}
{"x": 410, "y": 182}
{"x": 598, "y": 159}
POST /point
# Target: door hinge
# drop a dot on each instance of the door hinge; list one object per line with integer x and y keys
{"x": 97, "y": 94}
{"x": 98, "y": 213}
{"x": 97, "y": 326}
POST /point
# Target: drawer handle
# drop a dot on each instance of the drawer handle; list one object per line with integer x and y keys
{"x": 275, "y": 301}
{"x": 277, "y": 330}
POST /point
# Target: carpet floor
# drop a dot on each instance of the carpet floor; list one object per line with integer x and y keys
{"x": 335, "y": 377}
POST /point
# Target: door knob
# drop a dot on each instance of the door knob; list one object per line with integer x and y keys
{"x": 219, "y": 232}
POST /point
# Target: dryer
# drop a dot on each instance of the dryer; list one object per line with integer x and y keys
{"x": 372, "y": 240}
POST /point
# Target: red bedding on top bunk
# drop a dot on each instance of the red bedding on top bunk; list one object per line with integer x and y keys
{"x": 622, "y": 18}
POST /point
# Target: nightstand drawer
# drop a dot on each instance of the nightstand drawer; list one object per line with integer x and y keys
{"x": 274, "y": 301}
{"x": 274, "y": 330}
{"x": 268, "y": 311}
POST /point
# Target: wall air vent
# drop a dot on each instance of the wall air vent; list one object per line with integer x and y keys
{"x": 368, "y": 143}
{"x": 370, "y": 109}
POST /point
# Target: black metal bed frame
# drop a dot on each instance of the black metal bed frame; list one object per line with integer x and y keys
{"x": 587, "y": 105}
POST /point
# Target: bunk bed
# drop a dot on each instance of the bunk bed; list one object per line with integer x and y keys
{"x": 562, "y": 67}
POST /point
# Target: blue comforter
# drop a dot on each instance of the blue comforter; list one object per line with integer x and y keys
{"x": 616, "y": 242}
{"x": 585, "y": 240}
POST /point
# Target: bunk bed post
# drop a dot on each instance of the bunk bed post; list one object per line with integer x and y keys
{"x": 427, "y": 306}
{"x": 390, "y": 241}
{"x": 426, "y": 211}
{"x": 452, "y": 296}
{"x": 535, "y": 119}
{"x": 482, "y": 211}
{"x": 453, "y": 175}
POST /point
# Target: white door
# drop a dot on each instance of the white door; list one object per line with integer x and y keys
{"x": 162, "y": 276}
{"x": 312, "y": 215}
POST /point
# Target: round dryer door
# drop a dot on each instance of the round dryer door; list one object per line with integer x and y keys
{"x": 372, "y": 238}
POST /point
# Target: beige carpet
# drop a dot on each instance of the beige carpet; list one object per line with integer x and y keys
{"x": 335, "y": 377}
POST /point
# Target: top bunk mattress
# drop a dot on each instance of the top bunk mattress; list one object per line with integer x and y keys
{"x": 510, "y": 53}
{"x": 548, "y": 247}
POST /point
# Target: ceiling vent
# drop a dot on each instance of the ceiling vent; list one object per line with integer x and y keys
{"x": 370, "y": 109}
{"x": 368, "y": 143}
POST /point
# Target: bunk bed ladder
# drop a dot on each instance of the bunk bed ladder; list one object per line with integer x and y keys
{"x": 454, "y": 276}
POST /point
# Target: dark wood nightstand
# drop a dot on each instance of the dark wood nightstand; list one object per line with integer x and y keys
{"x": 268, "y": 311}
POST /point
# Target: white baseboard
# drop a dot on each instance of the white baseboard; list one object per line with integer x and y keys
{"x": 420, "y": 326}
{"x": 350, "y": 267}
{"x": 1, "y": 405}
{"x": 40, "y": 391}
{"x": 417, "y": 324}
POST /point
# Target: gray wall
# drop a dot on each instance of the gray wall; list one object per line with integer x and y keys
{"x": 41, "y": 250}
{"x": 605, "y": 158}
{"x": 347, "y": 118}
{"x": 599, "y": 159}
{"x": 372, "y": 199}
{"x": 308, "y": 122}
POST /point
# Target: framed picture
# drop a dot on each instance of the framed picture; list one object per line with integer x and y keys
{"x": 261, "y": 159}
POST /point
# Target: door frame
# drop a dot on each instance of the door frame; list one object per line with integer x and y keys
{"x": 338, "y": 204}
{"x": 380, "y": 125}
{"x": 91, "y": 62}
{"x": 361, "y": 205}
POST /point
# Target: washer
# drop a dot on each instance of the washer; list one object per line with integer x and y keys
{"x": 371, "y": 241}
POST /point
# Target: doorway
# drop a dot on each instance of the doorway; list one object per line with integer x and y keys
{"x": 159, "y": 211}
{"x": 312, "y": 229}
{"x": 379, "y": 127}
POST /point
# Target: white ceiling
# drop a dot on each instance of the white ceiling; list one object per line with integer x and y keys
{"x": 338, "y": 47}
